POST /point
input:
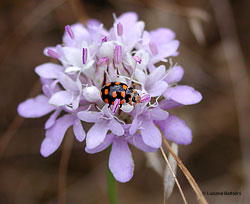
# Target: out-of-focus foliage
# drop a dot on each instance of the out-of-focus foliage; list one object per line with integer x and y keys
{"x": 214, "y": 158}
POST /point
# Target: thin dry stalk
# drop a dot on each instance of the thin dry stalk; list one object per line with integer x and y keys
{"x": 173, "y": 174}
{"x": 63, "y": 167}
{"x": 16, "y": 123}
{"x": 186, "y": 173}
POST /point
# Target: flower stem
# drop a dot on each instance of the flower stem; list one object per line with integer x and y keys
{"x": 111, "y": 184}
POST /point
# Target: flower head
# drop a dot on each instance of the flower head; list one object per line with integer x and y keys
{"x": 91, "y": 57}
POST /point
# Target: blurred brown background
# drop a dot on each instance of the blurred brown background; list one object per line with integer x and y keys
{"x": 215, "y": 54}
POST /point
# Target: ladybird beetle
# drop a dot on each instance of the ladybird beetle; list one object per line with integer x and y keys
{"x": 119, "y": 90}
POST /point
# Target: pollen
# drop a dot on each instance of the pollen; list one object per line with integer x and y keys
{"x": 106, "y": 91}
{"x": 106, "y": 101}
{"x": 123, "y": 93}
{"x": 117, "y": 83}
{"x": 114, "y": 94}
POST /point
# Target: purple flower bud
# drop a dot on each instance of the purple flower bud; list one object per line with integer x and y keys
{"x": 102, "y": 61}
{"x": 69, "y": 31}
{"x": 137, "y": 59}
{"x": 116, "y": 104}
{"x": 52, "y": 53}
{"x": 84, "y": 55}
{"x": 118, "y": 54}
{"x": 104, "y": 39}
{"x": 145, "y": 98}
{"x": 153, "y": 48}
{"x": 119, "y": 29}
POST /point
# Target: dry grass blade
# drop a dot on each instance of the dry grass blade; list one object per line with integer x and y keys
{"x": 168, "y": 179}
{"x": 62, "y": 177}
{"x": 186, "y": 173}
{"x": 177, "y": 183}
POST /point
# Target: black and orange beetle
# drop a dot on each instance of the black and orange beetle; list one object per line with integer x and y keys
{"x": 118, "y": 90}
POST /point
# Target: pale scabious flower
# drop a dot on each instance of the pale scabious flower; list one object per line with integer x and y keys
{"x": 92, "y": 56}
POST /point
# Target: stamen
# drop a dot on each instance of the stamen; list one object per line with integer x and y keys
{"x": 118, "y": 54}
{"x": 119, "y": 29}
{"x": 153, "y": 48}
{"x": 69, "y": 31}
{"x": 145, "y": 98}
{"x": 52, "y": 53}
{"x": 105, "y": 39}
{"x": 102, "y": 61}
{"x": 84, "y": 55}
{"x": 137, "y": 59}
{"x": 116, "y": 104}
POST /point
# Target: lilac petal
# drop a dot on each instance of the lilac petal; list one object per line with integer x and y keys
{"x": 89, "y": 116}
{"x": 150, "y": 134}
{"x": 93, "y": 23}
{"x": 35, "y": 107}
{"x": 75, "y": 102}
{"x": 175, "y": 74}
{"x": 121, "y": 163}
{"x": 97, "y": 133}
{"x": 153, "y": 48}
{"x": 168, "y": 104}
{"x": 134, "y": 34}
{"x": 107, "y": 141}
{"x": 61, "y": 98}
{"x": 162, "y": 35}
{"x": 52, "y": 119}
{"x": 134, "y": 126}
{"x": 116, "y": 127}
{"x": 158, "y": 88}
{"x": 176, "y": 130}
{"x": 137, "y": 141}
{"x": 185, "y": 95}
{"x": 67, "y": 82}
{"x": 140, "y": 76}
{"x": 73, "y": 56}
{"x": 80, "y": 34}
{"x": 159, "y": 114}
{"x": 165, "y": 50}
{"x": 78, "y": 130}
{"x": 156, "y": 75}
{"x": 127, "y": 20}
{"x": 55, "y": 134}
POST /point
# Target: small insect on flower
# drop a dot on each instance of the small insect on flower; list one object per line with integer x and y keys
{"x": 118, "y": 90}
